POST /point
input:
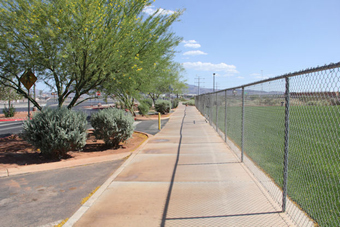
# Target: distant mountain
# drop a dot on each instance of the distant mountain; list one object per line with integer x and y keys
{"x": 193, "y": 89}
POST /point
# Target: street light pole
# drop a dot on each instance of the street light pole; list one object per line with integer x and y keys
{"x": 213, "y": 82}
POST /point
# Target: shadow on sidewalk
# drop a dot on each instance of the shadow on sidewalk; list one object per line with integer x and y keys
{"x": 166, "y": 207}
{"x": 225, "y": 216}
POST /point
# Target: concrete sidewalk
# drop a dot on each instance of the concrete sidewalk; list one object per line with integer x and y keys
{"x": 184, "y": 176}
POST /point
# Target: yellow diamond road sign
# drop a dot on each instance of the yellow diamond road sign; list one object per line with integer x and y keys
{"x": 28, "y": 79}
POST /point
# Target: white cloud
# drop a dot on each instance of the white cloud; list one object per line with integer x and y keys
{"x": 191, "y": 44}
{"x": 207, "y": 66}
{"x": 194, "y": 52}
{"x": 151, "y": 10}
{"x": 240, "y": 77}
{"x": 189, "y": 41}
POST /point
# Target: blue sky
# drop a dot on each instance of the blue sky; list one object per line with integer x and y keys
{"x": 243, "y": 41}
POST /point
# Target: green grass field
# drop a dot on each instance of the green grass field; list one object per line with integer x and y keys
{"x": 314, "y": 152}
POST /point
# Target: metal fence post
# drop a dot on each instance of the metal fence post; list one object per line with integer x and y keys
{"x": 210, "y": 108}
{"x": 216, "y": 114}
{"x": 225, "y": 117}
{"x": 200, "y": 98}
{"x": 242, "y": 135}
{"x": 286, "y": 148}
{"x": 203, "y": 108}
{"x": 196, "y": 103}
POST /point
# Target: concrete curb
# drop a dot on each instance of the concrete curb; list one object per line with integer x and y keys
{"x": 82, "y": 210}
{"x": 162, "y": 118}
{"x": 19, "y": 119}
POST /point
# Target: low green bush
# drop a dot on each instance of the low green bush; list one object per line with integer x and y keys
{"x": 318, "y": 103}
{"x": 113, "y": 126}
{"x": 189, "y": 103}
{"x": 174, "y": 103}
{"x": 148, "y": 102}
{"x": 9, "y": 112}
{"x": 335, "y": 102}
{"x": 162, "y": 106}
{"x": 143, "y": 108}
{"x": 56, "y": 131}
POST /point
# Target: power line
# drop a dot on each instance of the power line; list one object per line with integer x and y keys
{"x": 198, "y": 83}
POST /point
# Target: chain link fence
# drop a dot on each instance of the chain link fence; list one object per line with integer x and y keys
{"x": 287, "y": 131}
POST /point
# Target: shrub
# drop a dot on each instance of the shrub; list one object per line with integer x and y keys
{"x": 143, "y": 108}
{"x": 9, "y": 112}
{"x": 189, "y": 103}
{"x": 56, "y": 131}
{"x": 174, "y": 103}
{"x": 113, "y": 126}
{"x": 317, "y": 103}
{"x": 162, "y": 106}
{"x": 148, "y": 102}
{"x": 335, "y": 102}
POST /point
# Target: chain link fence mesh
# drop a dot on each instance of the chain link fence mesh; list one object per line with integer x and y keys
{"x": 308, "y": 115}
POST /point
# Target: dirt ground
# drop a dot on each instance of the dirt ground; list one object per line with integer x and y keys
{"x": 17, "y": 115}
{"x": 15, "y": 152}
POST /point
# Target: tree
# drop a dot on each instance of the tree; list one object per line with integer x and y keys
{"x": 75, "y": 46}
{"x": 8, "y": 94}
{"x": 156, "y": 43}
{"x": 168, "y": 80}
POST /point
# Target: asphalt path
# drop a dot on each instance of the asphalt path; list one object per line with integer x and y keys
{"x": 150, "y": 127}
{"x": 51, "y": 196}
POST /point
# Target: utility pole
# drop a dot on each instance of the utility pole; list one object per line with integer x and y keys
{"x": 213, "y": 82}
{"x": 198, "y": 83}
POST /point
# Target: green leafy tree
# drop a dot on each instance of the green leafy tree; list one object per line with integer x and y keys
{"x": 75, "y": 46}
{"x": 168, "y": 80}
{"x": 8, "y": 94}
{"x": 156, "y": 43}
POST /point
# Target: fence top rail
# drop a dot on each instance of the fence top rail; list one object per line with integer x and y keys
{"x": 310, "y": 70}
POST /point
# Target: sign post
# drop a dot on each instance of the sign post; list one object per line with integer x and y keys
{"x": 28, "y": 79}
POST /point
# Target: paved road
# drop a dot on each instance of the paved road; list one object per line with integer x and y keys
{"x": 46, "y": 197}
{"x": 22, "y": 106}
{"x": 8, "y": 128}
